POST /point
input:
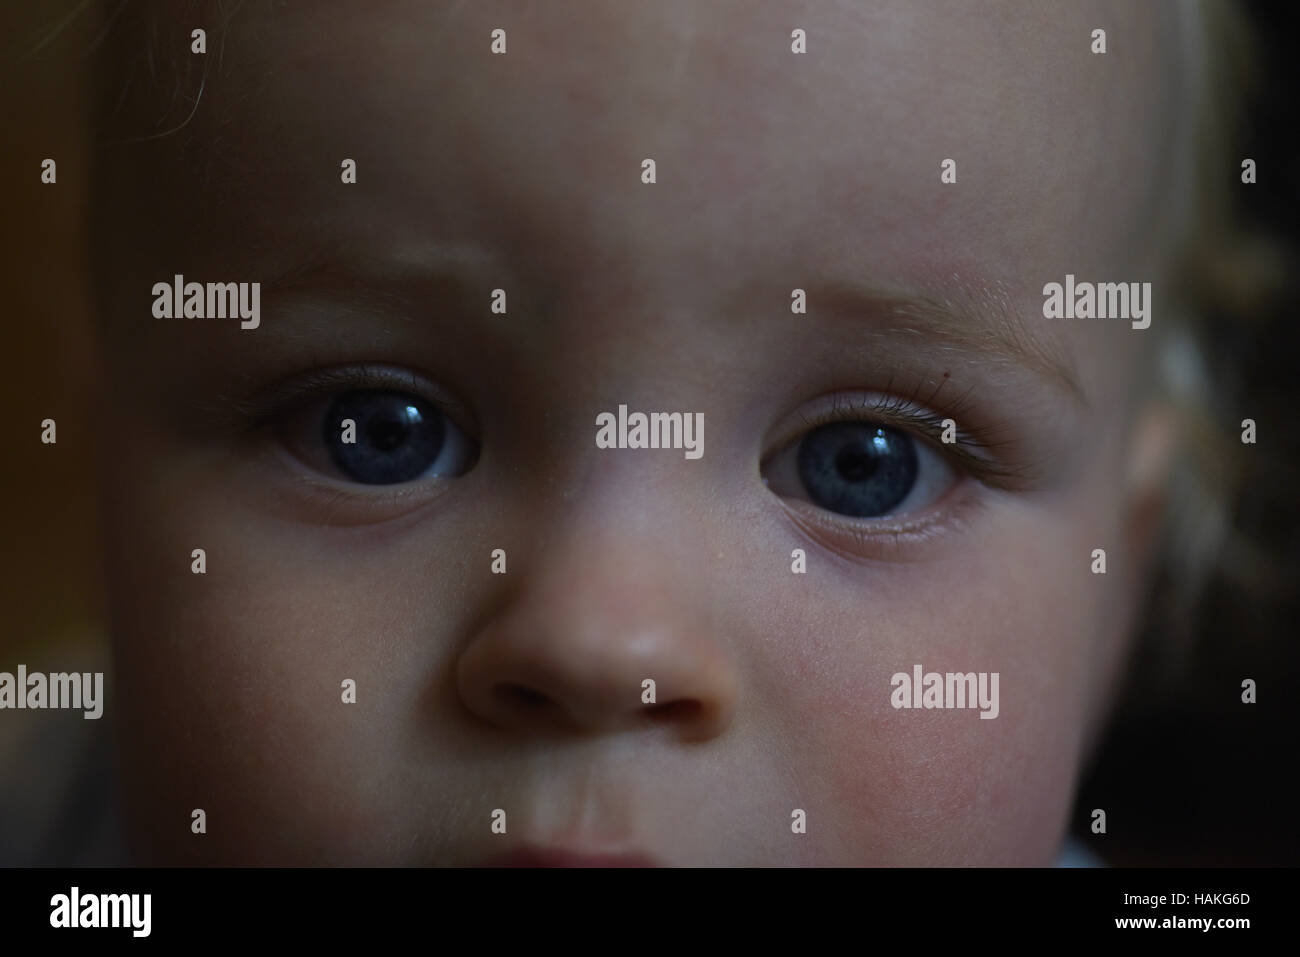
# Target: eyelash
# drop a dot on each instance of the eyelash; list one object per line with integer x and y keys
{"x": 266, "y": 407}
{"x": 973, "y": 450}
{"x": 973, "y": 447}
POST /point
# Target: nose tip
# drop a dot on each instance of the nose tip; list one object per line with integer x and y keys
{"x": 524, "y": 707}
{"x": 570, "y": 686}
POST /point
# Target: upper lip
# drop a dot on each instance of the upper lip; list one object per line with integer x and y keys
{"x": 533, "y": 856}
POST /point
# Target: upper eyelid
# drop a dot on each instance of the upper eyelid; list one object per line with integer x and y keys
{"x": 969, "y": 451}
{"x": 837, "y": 408}
{"x": 268, "y": 403}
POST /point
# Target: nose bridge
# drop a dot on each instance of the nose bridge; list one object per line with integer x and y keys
{"x": 605, "y": 602}
{"x": 616, "y": 497}
{"x": 610, "y": 574}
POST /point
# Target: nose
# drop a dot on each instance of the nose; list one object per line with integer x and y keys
{"x": 575, "y": 647}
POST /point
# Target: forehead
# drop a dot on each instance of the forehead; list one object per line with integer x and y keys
{"x": 767, "y": 161}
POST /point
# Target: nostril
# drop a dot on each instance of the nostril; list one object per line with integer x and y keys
{"x": 671, "y": 712}
{"x": 521, "y": 696}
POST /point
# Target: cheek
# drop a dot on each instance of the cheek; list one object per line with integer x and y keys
{"x": 229, "y": 683}
{"x": 916, "y": 786}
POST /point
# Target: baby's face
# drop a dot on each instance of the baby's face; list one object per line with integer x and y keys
{"x": 827, "y": 538}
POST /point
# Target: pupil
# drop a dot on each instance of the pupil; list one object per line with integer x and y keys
{"x": 854, "y": 464}
{"x": 387, "y": 435}
{"x": 398, "y": 436}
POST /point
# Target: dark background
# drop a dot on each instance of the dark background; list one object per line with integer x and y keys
{"x": 1188, "y": 774}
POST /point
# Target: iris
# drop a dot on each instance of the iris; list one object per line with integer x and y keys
{"x": 857, "y": 468}
{"x": 398, "y": 435}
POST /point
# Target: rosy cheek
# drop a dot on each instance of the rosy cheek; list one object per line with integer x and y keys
{"x": 944, "y": 787}
{"x": 917, "y": 785}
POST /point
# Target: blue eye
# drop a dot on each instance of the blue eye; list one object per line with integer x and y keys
{"x": 856, "y": 468}
{"x": 378, "y": 437}
{"x": 860, "y": 469}
{"x": 395, "y": 437}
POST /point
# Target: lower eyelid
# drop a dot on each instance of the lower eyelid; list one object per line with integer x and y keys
{"x": 910, "y": 538}
{"x": 297, "y": 492}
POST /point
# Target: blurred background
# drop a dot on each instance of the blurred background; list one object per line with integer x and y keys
{"x": 49, "y": 583}
{"x": 51, "y": 600}
{"x": 1189, "y": 775}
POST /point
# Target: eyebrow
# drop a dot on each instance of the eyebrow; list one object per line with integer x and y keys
{"x": 403, "y": 281}
{"x": 972, "y": 318}
{"x": 428, "y": 264}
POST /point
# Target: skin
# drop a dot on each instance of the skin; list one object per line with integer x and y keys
{"x": 774, "y": 171}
